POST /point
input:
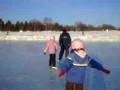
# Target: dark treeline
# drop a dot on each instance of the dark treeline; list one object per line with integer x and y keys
{"x": 48, "y": 24}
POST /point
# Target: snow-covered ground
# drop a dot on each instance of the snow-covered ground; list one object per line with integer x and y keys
{"x": 23, "y": 66}
{"x": 89, "y": 35}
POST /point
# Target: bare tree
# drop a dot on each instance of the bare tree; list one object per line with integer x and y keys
{"x": 48, "y": 22}
{"x": 1, "y": 25}
{"x": 8, "y": 26}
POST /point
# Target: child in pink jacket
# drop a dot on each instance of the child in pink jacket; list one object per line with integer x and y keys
{"x": 51, "y": 50}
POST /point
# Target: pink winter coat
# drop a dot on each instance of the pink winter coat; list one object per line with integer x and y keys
{"x": 51, "y": 46}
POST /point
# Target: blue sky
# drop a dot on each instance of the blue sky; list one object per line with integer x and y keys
{"x": 95, "y": 12}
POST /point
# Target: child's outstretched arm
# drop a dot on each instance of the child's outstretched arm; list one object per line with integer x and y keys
{"x": 61, "y": 73}
{"x": 97, "y": 65}
{"x": 45, "y": 50}
{"x": 65, "y": 66}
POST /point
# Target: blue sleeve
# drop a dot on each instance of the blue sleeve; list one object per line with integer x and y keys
{"x": 65, "y": 65}
{"x": 95, "y": 64}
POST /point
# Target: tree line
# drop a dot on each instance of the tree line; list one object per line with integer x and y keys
{"x": 48, "y": 24}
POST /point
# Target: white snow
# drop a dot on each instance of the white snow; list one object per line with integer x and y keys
{"x": 89, "y": 35}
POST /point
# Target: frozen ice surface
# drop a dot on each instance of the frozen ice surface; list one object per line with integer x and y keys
{"x": 23, "y": 66}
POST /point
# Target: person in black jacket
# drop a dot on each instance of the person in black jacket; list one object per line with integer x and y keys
{"x": 65, "y": 43}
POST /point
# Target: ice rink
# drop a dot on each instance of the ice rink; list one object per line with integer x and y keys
{"x": 23, "y": 66}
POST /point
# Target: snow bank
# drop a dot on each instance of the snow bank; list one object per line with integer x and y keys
{"x": 89, "y": 35}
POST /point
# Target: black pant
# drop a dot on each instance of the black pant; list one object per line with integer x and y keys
{"x": 52, "y": 60}
{"x": 62, "y": 50}
{"x": 72, "y": 86}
